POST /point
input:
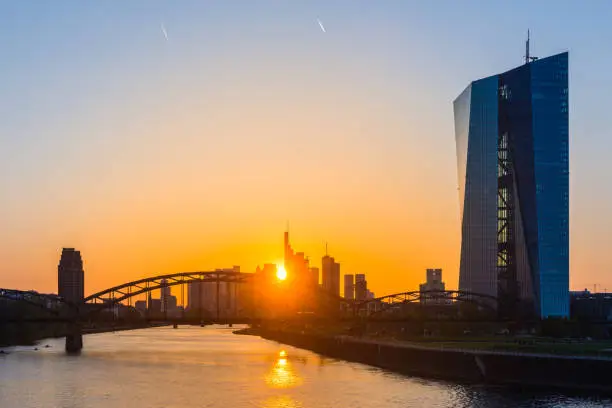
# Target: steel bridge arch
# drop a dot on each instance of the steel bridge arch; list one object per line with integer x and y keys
{"x": 389, "y": 301}
{"x": 116, "y": 294}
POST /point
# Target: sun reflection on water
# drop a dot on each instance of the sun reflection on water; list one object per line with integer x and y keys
{"x": 282, "y": 373}
{"x": 283, "y": 401}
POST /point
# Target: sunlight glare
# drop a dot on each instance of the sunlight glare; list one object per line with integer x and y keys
{"x": 281, "y": 273}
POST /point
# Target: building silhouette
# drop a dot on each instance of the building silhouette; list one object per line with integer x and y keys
{"x": 165, "y": 295}
{"x": 297, "y": 266}
{"x": 361, "y": 287}
{"x": 314, "y": 276}
{"x": 512, "y": 150}
{"x": 331, "y": 275}
{"x": 265, "y": 292}
{"x": 433, "y": 283}
{"x": 349, "y": 287}
{"x": 202, "y": 297}
{"x": 70, "y": 276}
{"x": 193, "y": 295}
{"x": 141, "y": 306}
{"x": 154, "y": 306}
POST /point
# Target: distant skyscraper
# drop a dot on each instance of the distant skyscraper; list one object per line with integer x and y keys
{"x": 361, "y": 287}
{"x": 165, "y": 295}
{"x": 331, "y": 275}
{"x": 171, "y": 304}
{"x": 349, "y": 287}
{"x": 70, "y": 276}
{"x": 155, "y": 305}
{"x": 433, "y": 280}
{"x": 194, "y": 290}
{"x": 336, "y": 279}
{"x": 287, "y": 249}
{"x": 433, "y": 283}
{"x": 141, "y": 306}
{"x": 512, "y": 150}
{"x": 314, "y": 276}
{"x": 297, "y": 265}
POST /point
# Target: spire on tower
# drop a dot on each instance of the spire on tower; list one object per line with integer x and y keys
{"x": 528, "y": 57}
{"x": 527, "y": 48}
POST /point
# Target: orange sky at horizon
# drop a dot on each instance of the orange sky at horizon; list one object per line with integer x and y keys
{"x": 109, "y": 262}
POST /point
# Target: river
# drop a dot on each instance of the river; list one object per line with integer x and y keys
{"x": 211, "y": 367}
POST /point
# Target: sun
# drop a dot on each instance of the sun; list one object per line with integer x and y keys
{"x": 281, "y": 273}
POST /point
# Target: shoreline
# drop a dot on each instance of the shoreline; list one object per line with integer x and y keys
{"x": 498, "y": 368}
{"x": 36, "y": 338}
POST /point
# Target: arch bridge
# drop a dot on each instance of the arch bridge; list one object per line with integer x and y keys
{"x": 126, "y": 291}
{"x": 56, "y": 308}
{"x": 53, "y": 307}
{"x": 388, "y": 303}
{"x": 107, "y": 298}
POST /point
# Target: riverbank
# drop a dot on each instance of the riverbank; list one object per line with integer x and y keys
{"x": 465, "y": 365}
{"x": 31, "y": 334}
{"x": 107, "y": 329}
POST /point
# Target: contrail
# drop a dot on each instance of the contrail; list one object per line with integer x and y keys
{"x": 321, "y": 25}
{"x": 164, "y": 31}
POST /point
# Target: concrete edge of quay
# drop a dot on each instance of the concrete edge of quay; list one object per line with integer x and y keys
{"x": 467, "y": 366}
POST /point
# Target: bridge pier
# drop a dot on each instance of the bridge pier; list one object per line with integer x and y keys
{"x": 74, "y": 339}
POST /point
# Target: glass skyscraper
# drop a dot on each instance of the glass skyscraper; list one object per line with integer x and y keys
{"x": 512, "y": 134}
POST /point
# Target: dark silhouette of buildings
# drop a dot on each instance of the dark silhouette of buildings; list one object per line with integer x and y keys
{"x": 165, "y": 295}
{"x": 349, "y": 287}
{"x": 70, "y": 276}
{"x": 314, "y": 276}
{"x": 361, "y": 287}
{"x": 141, "y": 306}
{"x": 298, "y": 267}
{"x": 433, "y": 280}
{"x": 587, "y": 306}
{"x": 154, "y": 305}
{"x": 433, "y": 283}
{"x": 331, "y": 275}
{"x": 202, "y": 297}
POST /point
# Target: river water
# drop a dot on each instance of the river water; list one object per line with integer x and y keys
{"x": 211, "y": 367}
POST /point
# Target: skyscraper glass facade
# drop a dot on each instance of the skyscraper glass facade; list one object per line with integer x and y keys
{"x": 512, "y": 153}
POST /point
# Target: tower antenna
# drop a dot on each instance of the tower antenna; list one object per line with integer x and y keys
{"x": 528, "y": 58}
{"x": 527, "y": 48}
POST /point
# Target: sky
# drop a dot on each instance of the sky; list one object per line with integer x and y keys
{"x": 156, "y": 155}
